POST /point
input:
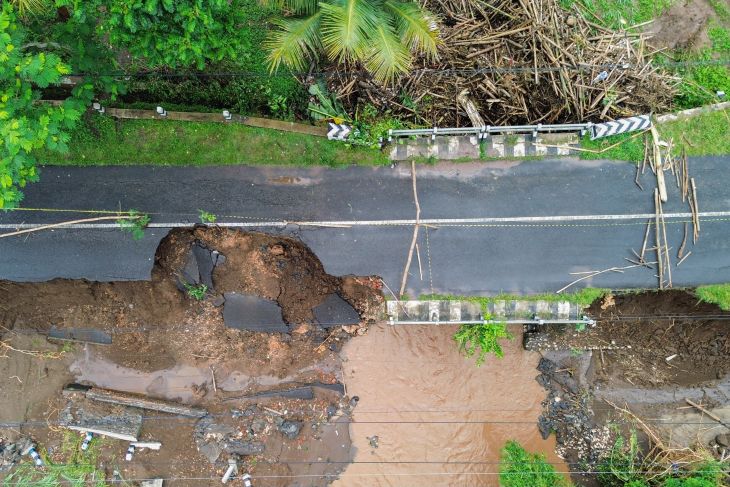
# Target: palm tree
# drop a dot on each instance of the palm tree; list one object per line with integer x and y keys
{"x": 382, "y": 34}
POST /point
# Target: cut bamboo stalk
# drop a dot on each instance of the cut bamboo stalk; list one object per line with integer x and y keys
{"x": 660, "y": 266}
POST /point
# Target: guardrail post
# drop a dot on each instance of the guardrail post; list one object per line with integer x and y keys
{"x": 536, "y": 130}
{"x": 390, "y": 135}
{"x": 433, "y": 135}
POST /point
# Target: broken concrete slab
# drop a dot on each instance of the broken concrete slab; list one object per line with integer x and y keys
{"x": 253, "y": 313}
{"x": 199, "y": 266}
{"x": 238, "y": 447}
{"x": 335, "y": 311}
{"x": 119, "y": 422}
{"x": 84, "y": 335}
{"x": 152, "y": 483}
{"x": 138, "y": 401}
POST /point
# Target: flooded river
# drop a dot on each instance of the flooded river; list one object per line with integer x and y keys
{"x": 439, "y": 419}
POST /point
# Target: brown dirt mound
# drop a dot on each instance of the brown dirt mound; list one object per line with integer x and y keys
{"x": 671, "y": 324}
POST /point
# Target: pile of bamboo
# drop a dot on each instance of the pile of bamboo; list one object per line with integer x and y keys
{"x": 660, "y": 157}
{"x": 519, "y": 61}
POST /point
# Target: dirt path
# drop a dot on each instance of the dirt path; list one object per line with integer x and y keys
{"x": 415, "y": 374}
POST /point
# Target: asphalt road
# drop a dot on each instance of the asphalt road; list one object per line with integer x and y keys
{"x": 458, "y": 257}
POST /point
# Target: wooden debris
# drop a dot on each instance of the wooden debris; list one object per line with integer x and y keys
{"x": 521, "y": 62}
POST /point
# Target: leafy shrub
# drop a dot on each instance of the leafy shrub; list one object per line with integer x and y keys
{"x": 483, "y": 338}
{"x": 240, "y": 82}
{"x": 520, "y": 468}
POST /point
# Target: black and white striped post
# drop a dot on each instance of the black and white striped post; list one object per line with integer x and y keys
{"x": 620, "y": 126}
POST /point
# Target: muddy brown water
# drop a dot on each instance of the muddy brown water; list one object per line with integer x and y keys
{"x": 408, "y": 378}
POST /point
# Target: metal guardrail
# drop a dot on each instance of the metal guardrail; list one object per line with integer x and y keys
{"x": 486, "y": 130}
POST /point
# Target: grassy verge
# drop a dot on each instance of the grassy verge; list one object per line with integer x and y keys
{"x": 718, "y": 294}
{"x": 704, "y": 135}
{"x": 583, "y": 297}
{"x": 101, "y": 141}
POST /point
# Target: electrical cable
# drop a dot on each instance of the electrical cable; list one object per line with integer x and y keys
{"x": 414, "y": 72}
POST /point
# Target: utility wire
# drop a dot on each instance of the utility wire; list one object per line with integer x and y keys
{"x": 415, "y": 72}
{"x": 346, "y": 475}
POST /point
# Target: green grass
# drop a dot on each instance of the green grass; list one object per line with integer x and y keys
{"x": 721, "y": 8}
{"x": 520, "y": 468}
{"x": 102, "y": 141}
{"x": 611, "y": 13}
{"x": 718, "y": 294}
{"x": 704, "y": 135}
{"x": 77, "y": 469}
{"x": 582, "y": 297}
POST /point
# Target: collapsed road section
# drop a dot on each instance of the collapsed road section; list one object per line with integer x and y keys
{"x": 224, "y": 364}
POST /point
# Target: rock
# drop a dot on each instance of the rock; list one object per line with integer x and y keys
{"x": 290, "y": 429}
{"x": 571, "y": 21}
{"x": 545, "y": 426}
{"x": 258, "y": 425}
{"x": 373, "y": 441}
{"x": 219, "y": 301}
{"x": 218, "y": 431}
{"x": 546, "y": 366}
{"x": 723, "y": 440}
{"x": 211, "y": 451}
{"x": 244, "y": 447}
{"x": 543, "y": 380}
{"x": 351, "y": 329}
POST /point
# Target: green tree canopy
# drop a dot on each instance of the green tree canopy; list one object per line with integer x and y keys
{"x": 25, "y": 124}
{"x": 175, "y": 33}
{"x": 381, "y": 34}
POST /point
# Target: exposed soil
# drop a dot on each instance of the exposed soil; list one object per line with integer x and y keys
{"x": 647, "y": 352}
{"x": 167, "y": 345}
{"x": 682, "y": 26}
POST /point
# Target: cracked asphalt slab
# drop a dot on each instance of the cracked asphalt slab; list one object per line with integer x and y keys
{"x": 525, "y": 257}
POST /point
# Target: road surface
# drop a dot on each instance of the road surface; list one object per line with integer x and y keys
{"x": 520, "y": 227}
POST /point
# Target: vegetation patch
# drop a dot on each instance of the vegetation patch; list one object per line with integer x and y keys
{"x": 618, "y": 14}
{"x": 718, "y": 294}
{"x": 584, "y": 297}
{"x": 102, "y": 140}
{"x": 520, "y": 468}
{"x": 77, "y": 468}
{"x": 481, "y": 340}
{"x": 706, "y": 134}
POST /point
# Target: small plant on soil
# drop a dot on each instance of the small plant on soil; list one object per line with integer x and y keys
{"x": 206, "y": 217}
{"x": 519, "y": 468}
{"x": 483, "y": 338}
{"x": 197, "y": 292}
{"x": 135, "y": 223}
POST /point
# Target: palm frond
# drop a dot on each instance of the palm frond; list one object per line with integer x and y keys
{"x": 301, "y": 7}
{"x": 386, "y": 56}
{"x": 30, "y": 7}
{"x": 294, "y": 42}
{"x": 416, "y": 26}
{"x": 296, "y": 7}
{"x": 346, "y": 26}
